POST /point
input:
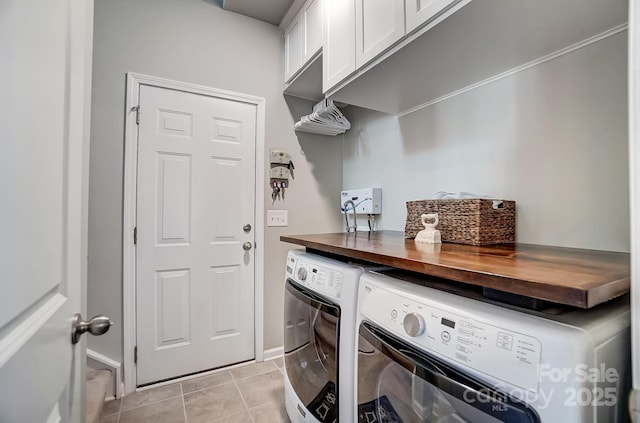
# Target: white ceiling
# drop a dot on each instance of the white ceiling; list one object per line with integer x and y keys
{"x": 271, "y": 11}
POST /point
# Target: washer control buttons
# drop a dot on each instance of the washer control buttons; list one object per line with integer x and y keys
{"x": 446, "y": 336}
{"x": 394, "y": 314}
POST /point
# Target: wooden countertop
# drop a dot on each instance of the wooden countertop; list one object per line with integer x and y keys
{"x": 570, "y": 276}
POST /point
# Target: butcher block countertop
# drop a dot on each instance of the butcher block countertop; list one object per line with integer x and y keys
{"x": 569, "y": 276}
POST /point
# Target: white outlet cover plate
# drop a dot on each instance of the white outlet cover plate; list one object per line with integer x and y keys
{"x": 277, "y": 217}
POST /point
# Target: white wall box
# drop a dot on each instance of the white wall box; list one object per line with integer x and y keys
{"x": 466, "y": 45}
{"x": 419, "y": 12}
{"x": 338, "y": 41}
{"x": 379, "y": 24}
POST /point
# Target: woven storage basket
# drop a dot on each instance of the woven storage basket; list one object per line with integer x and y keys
{"x": 472, "y": 221}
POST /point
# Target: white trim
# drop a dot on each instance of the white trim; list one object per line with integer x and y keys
{"x": 128, "y": 223}
{"x": 273, "y": 353}
{"x": 134, "y": 80}
{"x": 290, "y": 14}
{"x": 259, "y": 228}
{"x": 114, "y": 366}
{"x": 55, "y": 417}
{"x": 599, "y": 37}
{"x": 634, "y": 191}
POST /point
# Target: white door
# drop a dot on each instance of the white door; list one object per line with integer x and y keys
{"x": 379, "y": 24}
{"x": 45, "y": 72}
{"x": 195, "y": 217}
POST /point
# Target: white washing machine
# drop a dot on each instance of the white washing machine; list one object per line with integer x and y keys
{"x": 431, "y": 356}
{"x": 319, "y": 337}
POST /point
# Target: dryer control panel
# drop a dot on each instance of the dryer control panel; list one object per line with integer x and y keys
{"x": 452, "y": 334}
{"x": 320, "y": 279}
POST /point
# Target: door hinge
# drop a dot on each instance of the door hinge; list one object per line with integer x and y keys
{"x": 137, "y": 110}
{"x": 135, "y": 355}
{"x": 135, "y": 236}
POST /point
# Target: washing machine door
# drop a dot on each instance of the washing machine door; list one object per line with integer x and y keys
{"x": 311, "y": 339}
{"x": 400, "y": 384}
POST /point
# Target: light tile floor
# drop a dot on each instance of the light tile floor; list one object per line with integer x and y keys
{"x": 253, "y": 393}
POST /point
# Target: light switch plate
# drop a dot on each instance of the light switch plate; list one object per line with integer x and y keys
{"x": 277, "y": 217}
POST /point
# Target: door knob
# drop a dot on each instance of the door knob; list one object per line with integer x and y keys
{"x": 246, "y": 228}
{"x": 247, "y": 246}
{"x": 97, "y": 325}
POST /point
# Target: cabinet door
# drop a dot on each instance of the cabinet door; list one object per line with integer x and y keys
{"x": 422, "y": 11}
{"x": 379, "y": 24}
{"x": 338, "y": 55}
{"x": 311, "y": 18}
{"x": 292, "y": 49}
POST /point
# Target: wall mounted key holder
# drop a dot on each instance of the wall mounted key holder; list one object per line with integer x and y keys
{"x": 280, "y": 170}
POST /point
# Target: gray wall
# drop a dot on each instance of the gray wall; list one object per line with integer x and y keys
{"x": 195, "y": 41}
{"x": 553, "y": 138}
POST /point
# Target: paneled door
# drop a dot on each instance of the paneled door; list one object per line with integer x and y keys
{"x": 195, "y": 219}
{"x": 45, "y": 80}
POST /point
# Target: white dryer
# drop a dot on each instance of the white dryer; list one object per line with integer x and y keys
{"x": 432, "y": 356}
{"x": 319, "y": 337}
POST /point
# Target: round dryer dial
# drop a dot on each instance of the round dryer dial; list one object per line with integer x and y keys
{"x": 413, "y": 324}
{"x": 302, "y": 273}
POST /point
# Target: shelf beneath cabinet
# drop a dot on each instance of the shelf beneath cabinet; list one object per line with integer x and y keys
{"x": 308, "y": 83}
{"x": 569, "y": 276}
{"x": 483, "y": 40}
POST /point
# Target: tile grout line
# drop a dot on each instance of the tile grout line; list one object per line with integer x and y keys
{"x": 244, "y": 402}
{"x": 264, "y": 405}
{"x": 182, "y": 393}
{"x": 114, "y": 413}
{"x": 144, "y": 404}
{"x": 257, "y": 374}
{"x": 209, "y": 387}
{"x": 184, "y": 407}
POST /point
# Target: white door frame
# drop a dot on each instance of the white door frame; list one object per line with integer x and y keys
{"x": 634, "y": 192}
{"x": 134, "y": 81}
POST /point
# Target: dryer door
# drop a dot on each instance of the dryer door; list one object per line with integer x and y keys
{"x": 311, "y": 336}
{"x": 398, "y": 383}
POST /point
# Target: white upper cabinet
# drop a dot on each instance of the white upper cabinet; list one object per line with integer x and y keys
{"x": 292, "y": 49}
{"x": 469, "y": 43}
{"x": 311, "y": 18}
{"x": 422, "y": 11}
{"x": 379, "y": 24}
{"x": 339, "y": 40}
{"x": 369, "y": 59}
{"x": 303, "y": 38}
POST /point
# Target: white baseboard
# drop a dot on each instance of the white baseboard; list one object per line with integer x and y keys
{"x": 273, "y": 353}
{"x": 104, "y": 362}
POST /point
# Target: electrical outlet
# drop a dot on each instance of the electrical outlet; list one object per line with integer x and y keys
{"x": 277, "y": 217}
